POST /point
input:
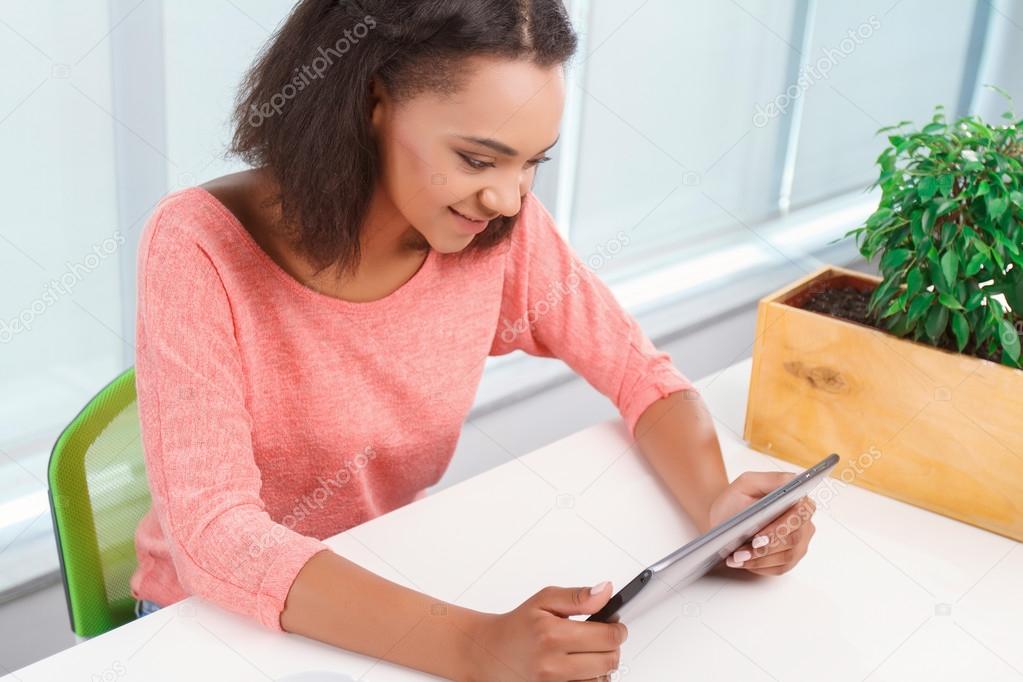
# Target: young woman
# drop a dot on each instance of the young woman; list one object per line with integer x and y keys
{"x": 311, "y": 334}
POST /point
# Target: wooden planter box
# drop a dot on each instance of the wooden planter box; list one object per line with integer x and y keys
{"x": 936, "y": 429}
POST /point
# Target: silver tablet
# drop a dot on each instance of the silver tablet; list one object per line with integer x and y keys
{"x": 694, "y": 559}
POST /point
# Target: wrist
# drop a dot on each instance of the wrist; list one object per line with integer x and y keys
{"x": 469, "y": 646}
{"x": 701, "y": 517}
{"x": 703, "y": 525}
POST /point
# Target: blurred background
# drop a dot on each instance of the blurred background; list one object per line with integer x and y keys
{"x": 710, "y": 153}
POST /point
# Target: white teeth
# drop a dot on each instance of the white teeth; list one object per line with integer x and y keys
{"x": 468, "y": 218}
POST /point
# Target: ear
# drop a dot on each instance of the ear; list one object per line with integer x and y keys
{"x": 378, "y": 102}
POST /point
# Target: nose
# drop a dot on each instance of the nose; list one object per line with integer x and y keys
{"x": 505, "y": 198}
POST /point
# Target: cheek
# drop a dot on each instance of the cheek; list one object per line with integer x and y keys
{"x": 410, "y": 164}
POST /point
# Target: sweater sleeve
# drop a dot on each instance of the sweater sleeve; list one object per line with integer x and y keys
{"x": 554, "y": 305}
{"x": 196, "y": 431}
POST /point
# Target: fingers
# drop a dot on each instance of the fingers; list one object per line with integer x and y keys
{"x": 592, "y": 666}
{"x": 594, "y": 650}
{"x": 782, "y": 543}
{"x": 591, "y": 636}
{"x": 782, "y": 558}
{"x": 756, "y": 484}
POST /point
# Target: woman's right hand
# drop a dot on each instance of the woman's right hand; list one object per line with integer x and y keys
{"x": 538, "y": 642}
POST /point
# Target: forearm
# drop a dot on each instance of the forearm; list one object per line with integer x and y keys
{"x": 336, "y": 601}
{"x": 676, "y": 435}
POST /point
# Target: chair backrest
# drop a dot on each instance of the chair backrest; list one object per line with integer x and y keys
{"x": 98, "y": 495}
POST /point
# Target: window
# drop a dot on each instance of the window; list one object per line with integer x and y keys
{"x": 720, "y": 137}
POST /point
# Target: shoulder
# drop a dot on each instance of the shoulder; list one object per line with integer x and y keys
{"x": 186, "y": 215}
{"x": 187, "y": 244}
{"x": 536, "y": 236}
{"x": 534, "y": 231}
{"x": 188, "y": 221}
{"x": 535, "y": 221}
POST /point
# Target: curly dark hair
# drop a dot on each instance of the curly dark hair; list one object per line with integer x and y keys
{"x": 320, "y": 147}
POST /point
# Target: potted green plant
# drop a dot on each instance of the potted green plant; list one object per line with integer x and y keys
{"x": 949, "y": 231}
{"x": 916, "y": 373}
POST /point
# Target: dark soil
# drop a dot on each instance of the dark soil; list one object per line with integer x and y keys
{"x": 851, "y": 304}
{"x": 844, "y": 302}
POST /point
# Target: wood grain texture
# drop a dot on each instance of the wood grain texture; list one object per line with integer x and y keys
{"x": 929, "y": 427}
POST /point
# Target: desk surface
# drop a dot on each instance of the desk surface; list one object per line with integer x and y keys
{"x": 887, "y": 591}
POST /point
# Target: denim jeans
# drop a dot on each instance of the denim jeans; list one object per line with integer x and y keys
{"x": 143, "y": 607}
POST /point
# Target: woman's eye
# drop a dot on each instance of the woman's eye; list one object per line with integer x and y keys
{"x": 475, "y": 163}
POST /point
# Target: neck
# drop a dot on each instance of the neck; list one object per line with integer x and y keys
{"x": 385, "y": 238}
{"x": 386, "y": 235}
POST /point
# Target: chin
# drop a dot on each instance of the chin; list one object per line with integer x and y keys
{"x": 454, "y": 244}
{"x": 446, "y": 239}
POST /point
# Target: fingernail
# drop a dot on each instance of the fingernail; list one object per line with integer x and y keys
{"x": 596, "y": 589}
{"x": 732, "y": 563}
{"x": 759, "y": 541}
{"x": 741, "y": 556}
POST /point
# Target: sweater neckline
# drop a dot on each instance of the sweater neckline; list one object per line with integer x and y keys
{"x": 411, "y": 286}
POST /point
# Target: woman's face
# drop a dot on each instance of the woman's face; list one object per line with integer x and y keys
{"x": 473, "y": 153}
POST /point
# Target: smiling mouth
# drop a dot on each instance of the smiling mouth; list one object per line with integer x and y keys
{"x": 475, "y": 220}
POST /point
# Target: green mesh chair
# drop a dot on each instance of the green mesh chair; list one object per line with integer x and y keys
{"x": 98, "y": 494}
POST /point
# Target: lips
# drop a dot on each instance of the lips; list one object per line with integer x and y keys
{"x": 467, "y": 217}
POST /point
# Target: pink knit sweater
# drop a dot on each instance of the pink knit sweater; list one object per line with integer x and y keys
{"x": 274, "y": 416}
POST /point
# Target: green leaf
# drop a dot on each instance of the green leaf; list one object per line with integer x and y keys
{"x": 1009, "y": 339}
{"x": 879, "y": 217}
{"x": 949, "y": 301}
{"x": 894, "y": 307}
{"x": 1014, "y": 290}
{"x": 974, "y": 299}
{"x": 961, "y": 329}
{"x": 946, "y": 207}
{"x": 950, "y": 267}
{"x": 948, "y": 231}
{"x": 882, "y": 294}
{"x": 927, "y": 220}
{"x": 975, "y": 264}
{"x": 997, "y": 255}
{"x": 996, "y": 207}
{"x": 887, "y": 128}
{"x": 927, "y": 187}
{"x": 916, "y": 229}
{"x": 936, "y": 322}
{"x": 945, "y": 185}
{"x": 893, "y": 259}
{"x": 994, "y": 309}
{"x": 1007, "y": 243}
{"x": 915, "y": 282}
{"x": 937, "y": 278}
{"x": 933, "y": 129}
{"x": 983, "y": 188}
{"x": 919, "y": 305}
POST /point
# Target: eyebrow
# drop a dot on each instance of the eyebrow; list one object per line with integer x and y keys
{"x": 500, "y": 147}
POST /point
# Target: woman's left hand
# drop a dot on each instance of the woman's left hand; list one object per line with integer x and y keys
{"x": 781, "y": 544}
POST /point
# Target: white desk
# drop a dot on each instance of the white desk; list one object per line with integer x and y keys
{"x": 887, "y": 591}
